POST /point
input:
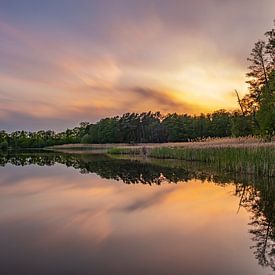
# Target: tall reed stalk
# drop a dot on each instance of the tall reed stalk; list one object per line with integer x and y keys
{"x": 247, "y": 160}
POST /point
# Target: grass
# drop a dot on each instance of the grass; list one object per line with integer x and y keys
{"x": 257, "y": 160}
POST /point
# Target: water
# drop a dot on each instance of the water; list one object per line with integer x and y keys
{"x": 84, "y": 214}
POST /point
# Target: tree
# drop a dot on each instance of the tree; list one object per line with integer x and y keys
{"x": 220, "y": 124}
{"x": 266, "y": 114}
{"x": 258, "y": 103}
{"x": 4, "y": 145}
{"x": 257, "y": 76}
{"x": 270, "y": 47}
{"x": 241, "y": 125}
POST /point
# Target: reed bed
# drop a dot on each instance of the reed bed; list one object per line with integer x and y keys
{"x": 256, "y": 160}
{"x": 248, "y": 141}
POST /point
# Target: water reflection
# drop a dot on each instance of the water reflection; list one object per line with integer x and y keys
{"x": 68, "y": 222}
{"x": 260, "y": 202}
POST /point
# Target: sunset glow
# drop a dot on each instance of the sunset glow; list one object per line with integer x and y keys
{"x": 63, "y": 62}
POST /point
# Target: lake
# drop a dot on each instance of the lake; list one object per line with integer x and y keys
{"x": 93, "y": 214}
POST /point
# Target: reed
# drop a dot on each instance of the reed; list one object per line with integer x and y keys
{"x": 256, "y": 160}
{"x": 249, "y": 160}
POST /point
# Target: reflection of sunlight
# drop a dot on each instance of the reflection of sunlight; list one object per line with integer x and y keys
{"x": 191, "y": 206}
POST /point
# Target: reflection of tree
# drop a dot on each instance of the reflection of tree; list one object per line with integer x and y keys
{"x": 256, "y": 195}
{"x": 129, "y": 171}
{"x": 259, "y": 200}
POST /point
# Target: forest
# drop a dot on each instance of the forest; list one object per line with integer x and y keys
{"x": 137, "y": 128}
{"x": 255, "y": 116}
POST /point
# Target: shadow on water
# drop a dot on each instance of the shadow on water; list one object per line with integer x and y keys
{"x": 256, "y": 195}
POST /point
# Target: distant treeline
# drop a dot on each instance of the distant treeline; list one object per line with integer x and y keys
{"x": 137, "y": 128}
{"x": 40, "y": 139}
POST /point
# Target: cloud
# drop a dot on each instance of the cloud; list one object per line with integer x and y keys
{"x": 159, "y": 100}
{"x": 93, "y": 59}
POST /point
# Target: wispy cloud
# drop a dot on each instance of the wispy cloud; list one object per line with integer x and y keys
{"x": 78, "y": 61}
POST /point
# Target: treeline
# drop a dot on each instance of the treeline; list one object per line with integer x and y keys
{"x": 136, "y": 128}
{"x": 153, "y": 127}
{"x": 40, "y": 139}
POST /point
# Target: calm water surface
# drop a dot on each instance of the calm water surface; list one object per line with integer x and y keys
{"x": 80, "y": 214}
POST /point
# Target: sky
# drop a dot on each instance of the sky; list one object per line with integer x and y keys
{"x": 67, "y": 61}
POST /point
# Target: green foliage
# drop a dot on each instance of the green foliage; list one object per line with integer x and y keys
{"x": 266, "y": 114}
{"x": 179, "y": 127}
{"x": 258, "y": 104}
{"x": 3, "y": 141}
{"x": 105, "y": 131}
{"x": 4, "y": 146}
{"x": 153, "y": 127}
{"x": 241, "y": 125}
{"x": 85, "y": 139}
{"x": 220, "y": 124}
{"x": 40, "y": 139}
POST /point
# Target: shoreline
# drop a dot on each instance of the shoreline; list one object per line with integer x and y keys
{"x": 258, "y": 160}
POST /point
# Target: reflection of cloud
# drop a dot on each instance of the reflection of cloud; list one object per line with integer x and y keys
{"x": 88, "y": 223}
{"x": 150, "y": 201}
{"x": 33, "y": 196}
